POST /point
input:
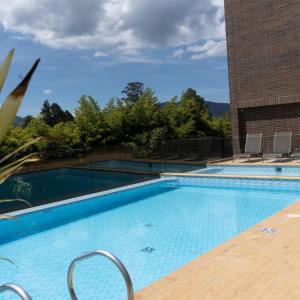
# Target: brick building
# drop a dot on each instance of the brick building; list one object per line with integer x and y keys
{"x": 263, "y": 40}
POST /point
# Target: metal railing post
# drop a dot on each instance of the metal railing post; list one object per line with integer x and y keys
{"x": 111, "y": 257}
{"x": 16, "y": 289}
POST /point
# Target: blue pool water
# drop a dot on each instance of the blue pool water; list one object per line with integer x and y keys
{"x": 143, "y": 166}
{"x": 252, "y": 170}
{"x": 53, "y": 185}
{"x": 179, "y": 219}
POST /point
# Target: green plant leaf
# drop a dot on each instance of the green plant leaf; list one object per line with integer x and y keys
{"x": 32, "y": 142}
{"x": 9, "y": 169}
{"x": 6, "y": 217}
{"x": 15, "y": 200}
{"x": 12, "y": 103}
{"x": 5, "y": 68}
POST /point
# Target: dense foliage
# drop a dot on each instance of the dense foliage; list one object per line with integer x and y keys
{"x": 138, "y": 119}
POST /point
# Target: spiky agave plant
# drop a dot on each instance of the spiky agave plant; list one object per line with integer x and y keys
{"x": 8, "y": 112}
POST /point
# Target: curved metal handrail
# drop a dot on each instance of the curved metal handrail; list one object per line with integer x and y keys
{"x": 111, "y": 257}
{"x": 16, "y": 289}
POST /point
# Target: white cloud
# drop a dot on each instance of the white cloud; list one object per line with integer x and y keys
{"x": 178, "y": 53}
{"x": 124, "y": 26}
{"x": 100, "y": 54}
{"x": 210, "y": 48}
{"x": 47, "y": 92}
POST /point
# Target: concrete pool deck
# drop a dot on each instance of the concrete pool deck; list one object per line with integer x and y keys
{"x": 257, "y": 162}
{"x": 253, "y": 265}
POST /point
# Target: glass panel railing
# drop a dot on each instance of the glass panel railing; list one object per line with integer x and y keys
{"x": 61, "y": 176}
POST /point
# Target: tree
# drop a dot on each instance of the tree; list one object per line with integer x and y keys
{"x": 140, "y": 121}
{"x": 144, "y": 115}
{"x": 89, "y": 119}
{"x": 222, "y": 126}
{"x": 46, "y": 113}
{"x": 68, "y": 116}
{"x": 53, "y": 114}
{"x": 145, "y": 125}
{"x": 26, "y": 121}
{"x": 88, "y": 111}
{"x": 114, "y": 115}
{"x": 133, "y": 91}
{"x": 58, "y": 115}
{"x": 65, "y": 140}
{"x": 170, "y": 116}
{"x": 193, "y": 105}
{"x": 37, "y": 127}
{"x": 194, "y": 116}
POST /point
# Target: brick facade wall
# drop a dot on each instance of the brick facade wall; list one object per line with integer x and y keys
{"x": 268, "y": 119}
{"x": 263, "y": 40}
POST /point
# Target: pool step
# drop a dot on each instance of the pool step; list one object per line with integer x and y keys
{"x": 16, "y": 289}
{"x": 111, "y": 257}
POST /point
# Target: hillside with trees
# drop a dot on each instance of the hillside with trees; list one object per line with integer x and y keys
{"x": 137, "y": 120}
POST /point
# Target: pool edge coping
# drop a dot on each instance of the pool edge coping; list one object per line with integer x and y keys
{"x": 88, "y": 196}
{"x": 233, "y": 176}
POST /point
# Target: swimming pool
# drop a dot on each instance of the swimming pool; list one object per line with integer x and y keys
{"x": 53, "y": 185}
{"x": 130, "y": 165}
{"x": 154, "y": 228}
{"x": 277, "y": 170}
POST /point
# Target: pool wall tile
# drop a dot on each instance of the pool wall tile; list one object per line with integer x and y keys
{"x": 32, "y": 221}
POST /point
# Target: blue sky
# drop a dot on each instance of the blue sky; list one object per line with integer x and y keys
{"x": 168, "y": 49}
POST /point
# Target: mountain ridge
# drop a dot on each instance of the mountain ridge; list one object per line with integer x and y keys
{"x": 218, "y": 109}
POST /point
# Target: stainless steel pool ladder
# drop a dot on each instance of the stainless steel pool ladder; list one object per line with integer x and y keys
{"x": 111, "y": 257}
{"x": 16, "y": 289}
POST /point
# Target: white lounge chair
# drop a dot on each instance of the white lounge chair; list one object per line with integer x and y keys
{"x": 252, "y": 147}
{"x": 282, "y": 145}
